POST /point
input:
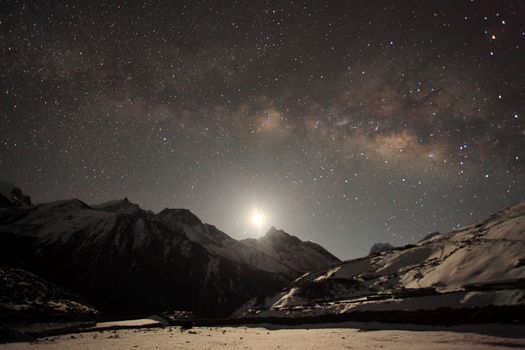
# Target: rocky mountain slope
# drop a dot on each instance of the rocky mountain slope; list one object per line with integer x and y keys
{"x": 478, "y": 265}
{"x": 291, "y": 251}
{"x": 25, "y": 294}
{"x": 218, "y": 243}
{"x": 125, "y": 260}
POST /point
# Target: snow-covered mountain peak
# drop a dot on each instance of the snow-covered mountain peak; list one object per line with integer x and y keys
{"x": 122, "y": 206}
{"x": 219, "y": 243}
{"x": 291, "y": 251}
{"x": 279, "y": 236}
{"x": 184, "y": 216}
{"x": 64, "y": 205}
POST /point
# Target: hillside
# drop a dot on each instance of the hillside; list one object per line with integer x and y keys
{"x": 23, "y": 293}
{"x": 478, "y": 265}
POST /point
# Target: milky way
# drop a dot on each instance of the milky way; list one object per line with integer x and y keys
{"x": 345, "y": 122}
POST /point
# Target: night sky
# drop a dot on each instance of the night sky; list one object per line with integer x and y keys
{"x": 343, "y": 122}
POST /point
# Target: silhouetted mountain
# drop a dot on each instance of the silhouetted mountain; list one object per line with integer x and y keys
{"x": 122, "y": 206}
{"x": 219, "y": 243}
{"x": 125, "y": 260}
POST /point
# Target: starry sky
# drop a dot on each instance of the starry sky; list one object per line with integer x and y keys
{"x": 343, "y": 122}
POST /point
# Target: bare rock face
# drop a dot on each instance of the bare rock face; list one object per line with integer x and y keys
{"x": 12, "y": 196}
{"x": 380, "y": 247}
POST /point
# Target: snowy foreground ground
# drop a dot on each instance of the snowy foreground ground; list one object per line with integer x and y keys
{"x": 327, "y": 336}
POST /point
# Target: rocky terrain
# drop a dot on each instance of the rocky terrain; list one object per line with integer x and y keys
{"x": 23, "y": 293}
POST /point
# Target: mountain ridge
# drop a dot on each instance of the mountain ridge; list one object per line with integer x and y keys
{"x": 288, "y": 248}
{"x": 479, "y": 265}
{"x": 124, "y": 259}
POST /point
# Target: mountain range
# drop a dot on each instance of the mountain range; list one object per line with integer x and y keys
{"x": 126, "y": 261}
{"x": 70, "y": 258}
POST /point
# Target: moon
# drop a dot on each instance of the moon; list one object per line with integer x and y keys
{"x": 257, "y": 219}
